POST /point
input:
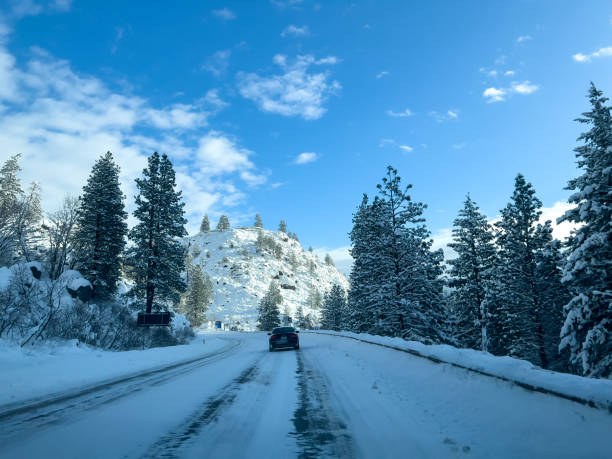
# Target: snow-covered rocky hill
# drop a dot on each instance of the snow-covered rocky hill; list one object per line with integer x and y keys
{"x": 241, "y": 273}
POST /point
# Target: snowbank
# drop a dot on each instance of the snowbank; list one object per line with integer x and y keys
{"x": 594, "y": 392}
{"x": 64, "y": 366}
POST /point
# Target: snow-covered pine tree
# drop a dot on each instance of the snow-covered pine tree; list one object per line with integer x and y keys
{"x": 157, "y": 258}
{"x": 101, "y": 227}
{"x": 223, "y": 224}
{"x": 473, "y": 242}
{"x": 282, "y": 226}
{"x": 412, "y": 283}
{"x": 199, "y": 294}
{"x": 258, "y": 222}
{"x": 334, "y": 304}
{"x": 587, "y": 331}
{"x": 329, "y": 260}
{"x": 269, "y": 313}
{"x": 205, "y": 225}
{"x": 396, "y": 288}
{"x": 362, "y": 299}
{"x": 518, "y": 310}
{"x": 299, "y": 317}
{"x": 552, "y": 296}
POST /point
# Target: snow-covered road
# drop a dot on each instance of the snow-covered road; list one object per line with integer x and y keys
{"x": 334, "y": 397}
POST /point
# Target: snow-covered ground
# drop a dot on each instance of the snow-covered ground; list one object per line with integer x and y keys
{"x": 61, "y": 367}
{"x": 335, "y": 397}
{"x": 595, "y": 391}
{"x": 241, "y": 276}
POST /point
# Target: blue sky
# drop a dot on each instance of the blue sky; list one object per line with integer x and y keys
{"x": 294, "y": 108}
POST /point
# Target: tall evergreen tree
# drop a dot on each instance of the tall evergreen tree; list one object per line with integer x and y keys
{"x": 223, "y": 224}
{"x": 473, "y": 242}
{"x": 522, "y": 316}
{"x": 552, "y": 296}
{"x": 334, "y": 304}
{"x": 258, "y": 221}
{"x": 587, "y": 331}
{"x": 101, "y": 227}
{"x": 157, "y": 258}
{"x": 401, "y": 288}
{"x": 205, "y": 225}
{"x": 329, "y": 260}
{"x": 300, "y": 318}
{"x": 269, "y": 313}
{"x": 282, "y": 226}
{"x": 199, "y": 295}
{"x": 517, "y": 241}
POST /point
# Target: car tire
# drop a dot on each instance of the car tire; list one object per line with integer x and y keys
{"x": 297, "y": 347}
{"x": 270, "y": 348}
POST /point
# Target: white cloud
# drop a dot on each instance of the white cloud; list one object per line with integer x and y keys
{"x": 601, "y": 52}
{"x": 306, "y": 157}
{"x": 523, "y": 88}
{"x": 509, "y": 73}
{"x": 295, "y": 31}
{"x": 524, "y": 38}
{"x": 494, "y": 94}
{"x": 218, "y": 63}
{"x": 406, "y": 148}
{"x": 295, "y": 92}
{"x": 63, "y": 121}
{"x": 402, "y": 114}
{"x": 453, "y": 114}
{"x": 501, "y": 94}
{"x": 459, "y": 146}
{"x": 381, "y": 74}
{"x": 225, "y": 14}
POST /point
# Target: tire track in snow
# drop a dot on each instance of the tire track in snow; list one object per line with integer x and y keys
{"x": 319, "y": 432}
{"x": 170, "y": 445}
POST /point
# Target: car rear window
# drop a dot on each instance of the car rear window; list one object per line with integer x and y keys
{"x": 284, "y": 330}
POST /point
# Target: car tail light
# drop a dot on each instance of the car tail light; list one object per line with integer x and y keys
{"x": 275, "y": 337}
{"x": 292, "y": 335}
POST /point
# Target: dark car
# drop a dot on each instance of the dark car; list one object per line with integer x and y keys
{"x": 284, "y": 338}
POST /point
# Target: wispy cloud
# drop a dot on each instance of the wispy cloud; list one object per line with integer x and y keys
{"x": 524, "y": 38}
{"x": 509, "y": 73}
{"x": 305, "y": 158}
{"x": 601, "y": 52}
{"x": 494, "y": 94}
{"x": 381, "y": 74}
{"x": 218, "y": 63}
{"x": 390, "y": 142}
{"x": 224, "y": 14}
{"x": 451, "y": 114}
{"x": 402, "y": 114}
{"x": 295, "y": 31}
{"x": 295, "y": 92}
{"x": 286, "y": 3}
{"x": 459, "y": 146}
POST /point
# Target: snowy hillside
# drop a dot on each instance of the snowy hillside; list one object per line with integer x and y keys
{"x": 241, "y": 274}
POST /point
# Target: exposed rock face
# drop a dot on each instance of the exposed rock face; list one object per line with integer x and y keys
{"x": 241, "y": 271}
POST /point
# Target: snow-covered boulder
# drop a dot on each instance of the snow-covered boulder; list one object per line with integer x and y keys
{"x": 76, "y": 285}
